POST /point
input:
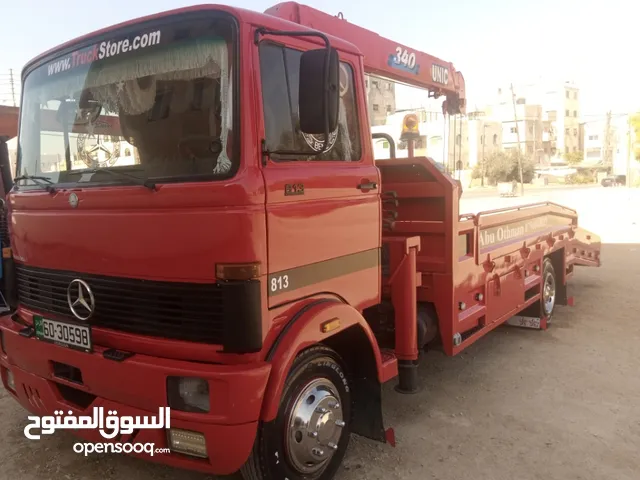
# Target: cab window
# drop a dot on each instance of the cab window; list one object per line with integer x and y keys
{"x": 280, "y": 69}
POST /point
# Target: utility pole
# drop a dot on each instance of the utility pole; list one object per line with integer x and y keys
{"x": 13, "y": 89}
{"x": 458, "y": 164}
{"x": 484, "y": 142}
{"x": 445, "y": 139}
{"x": 450, "y": 163}
{"x": 515, "y": 117}
{"x": 630, "y": 152}
{"x": 608, "y": 161}
{"x": 535, "y": 141}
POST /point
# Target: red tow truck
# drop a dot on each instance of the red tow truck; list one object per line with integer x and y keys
{"x": 198, "y": 222}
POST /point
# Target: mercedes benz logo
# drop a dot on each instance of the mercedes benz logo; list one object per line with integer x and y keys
{"x": 97, "y": 150}
{"x": 80, "y": 299}
{"x": 73, "y": 200}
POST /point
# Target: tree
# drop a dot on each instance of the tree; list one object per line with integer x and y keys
{"x": 503, "y": 167}
{"x": 634, "y": 120}
{"x": 573, "y": 158}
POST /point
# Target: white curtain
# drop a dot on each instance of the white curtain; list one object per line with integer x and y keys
{"x": 118, "y": 88}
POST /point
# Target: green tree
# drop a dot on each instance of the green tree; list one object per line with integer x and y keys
{"x": 573, "y": 158}
{"x": 503, "y": 167}
{"x": 634, "y": 120}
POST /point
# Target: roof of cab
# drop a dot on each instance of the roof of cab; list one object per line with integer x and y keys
{"x": 243, "y": 15}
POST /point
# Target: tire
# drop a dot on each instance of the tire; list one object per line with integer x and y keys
{"x": 318, "y": 390}
{"x": 549, "y": 289}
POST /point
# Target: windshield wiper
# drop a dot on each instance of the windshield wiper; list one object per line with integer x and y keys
{"x": 44, "y": 182}
{"x": 116, "y": 173}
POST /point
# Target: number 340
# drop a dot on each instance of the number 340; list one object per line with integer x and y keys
{"x": 403, "y": 57}
{"x": 280, "y": 283}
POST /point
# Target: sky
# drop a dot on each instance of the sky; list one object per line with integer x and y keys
{"x": 492, "y": 42}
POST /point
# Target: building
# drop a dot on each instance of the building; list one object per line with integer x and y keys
{"x": 524, "y": 127}
{"x": 485, "y": 137}
{"x": 381, "y": 99}
{"x": 8, "y": 130}
{"x": 9, "y": 121}
{"x": 569, "y": 123}
{"x": 607, "y": 143}
{"x": 559, "y": 119}
{"x": 549, "y": 137}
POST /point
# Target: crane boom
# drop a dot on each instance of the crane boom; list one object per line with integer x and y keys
{"x": 384, "y": 57}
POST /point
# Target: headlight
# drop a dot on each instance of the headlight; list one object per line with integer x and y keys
{"x": 188, "y": 394}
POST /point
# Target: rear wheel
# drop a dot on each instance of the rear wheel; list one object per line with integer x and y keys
{"x": 309, "y": 437}
{"x": 548, "y": 289}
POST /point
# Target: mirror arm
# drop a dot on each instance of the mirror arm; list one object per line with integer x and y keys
{"x": 65, "y": 132}
{"x": 67, "y": 147}
{"x": 327, "y": 61}
{"x": 388, "y": 138}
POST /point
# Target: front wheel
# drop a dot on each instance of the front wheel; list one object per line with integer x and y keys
{"x": 309, "y": 436}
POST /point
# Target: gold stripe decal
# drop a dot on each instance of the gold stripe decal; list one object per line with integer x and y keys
{"x": 306, "y": 275}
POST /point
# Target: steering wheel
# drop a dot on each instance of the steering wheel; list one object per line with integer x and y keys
{"x": 187, "y": 146}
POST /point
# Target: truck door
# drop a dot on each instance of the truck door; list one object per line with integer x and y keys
{"x": 323, "y": 211}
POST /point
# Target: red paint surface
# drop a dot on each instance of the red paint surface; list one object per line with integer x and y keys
{"x": 180, "y": 232}
{"x": 402, "y": 283}
{"x": 376, "y": 49}
{"x": 138, "y": 387}
{"x": 429, "y": 208}
{"x": 305, "y": 332}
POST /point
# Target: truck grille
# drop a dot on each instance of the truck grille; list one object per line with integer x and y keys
{"x": 180, "y": 311}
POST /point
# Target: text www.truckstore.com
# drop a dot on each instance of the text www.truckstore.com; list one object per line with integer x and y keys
{"x": 103, "y": 50}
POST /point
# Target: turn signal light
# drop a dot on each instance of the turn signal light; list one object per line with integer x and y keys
{"x": 330, "y": 325}
{"x": 238, "y": 271}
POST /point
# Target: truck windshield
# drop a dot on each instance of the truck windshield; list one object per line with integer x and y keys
{"x": 155, "y": 105}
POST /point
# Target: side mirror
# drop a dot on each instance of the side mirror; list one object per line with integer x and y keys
{"x": 319, "y": 91}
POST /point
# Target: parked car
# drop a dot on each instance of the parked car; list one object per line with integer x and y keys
{"x": 614, "y": 181}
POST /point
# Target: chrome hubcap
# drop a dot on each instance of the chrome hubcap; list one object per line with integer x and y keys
{"x": 314, "y": 426}
{"x": 549, "y": 294}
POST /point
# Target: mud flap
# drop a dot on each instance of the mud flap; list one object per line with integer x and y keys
{"x": 368, "y": 420}
{"x": 563, "y": 296}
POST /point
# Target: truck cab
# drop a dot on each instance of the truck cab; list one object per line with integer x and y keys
{"x": 177, "y": 203}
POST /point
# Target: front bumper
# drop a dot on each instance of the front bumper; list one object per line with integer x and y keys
{"x": 137, "y": 386}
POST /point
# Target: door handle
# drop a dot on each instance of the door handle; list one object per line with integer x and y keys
{"x": 368, "y": 186}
